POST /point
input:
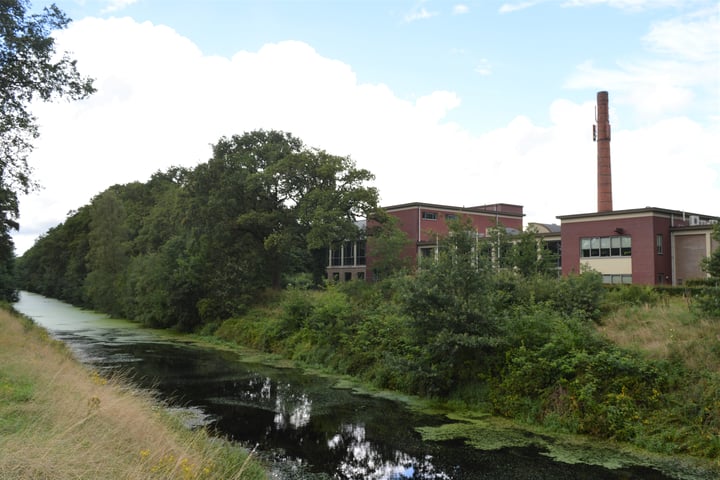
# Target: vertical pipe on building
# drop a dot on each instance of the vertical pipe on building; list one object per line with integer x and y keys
{"x": 419, "y": 238}
{"x": 602, "y": 137}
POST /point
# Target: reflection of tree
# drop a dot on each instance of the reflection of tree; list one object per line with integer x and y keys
{"x": 349, "y": 454}
{"x": 292, "y": 409}
{"x": 363, "y": 461}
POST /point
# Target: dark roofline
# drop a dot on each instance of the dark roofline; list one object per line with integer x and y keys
{"x": 489, "y": 209}
{"x": 613, "y": 213}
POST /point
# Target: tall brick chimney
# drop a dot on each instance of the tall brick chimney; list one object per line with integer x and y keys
{"x": 602, "y": 137}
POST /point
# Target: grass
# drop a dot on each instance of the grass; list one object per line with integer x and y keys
{"x": 667, "y": 331}
{"x": 59, "y": 420}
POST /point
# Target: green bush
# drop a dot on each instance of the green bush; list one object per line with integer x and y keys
{"x": 707, "y": 301}
{"x": 581, "y": 295}
{"x": 625, "y": 295}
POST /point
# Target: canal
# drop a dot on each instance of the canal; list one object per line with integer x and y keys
{"x": 301, "y": 424}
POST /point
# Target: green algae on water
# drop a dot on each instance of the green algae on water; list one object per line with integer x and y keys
{"x": 484, "y": 432}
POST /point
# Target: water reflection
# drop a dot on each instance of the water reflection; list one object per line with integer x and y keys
{"x": 291, "y": 411}
{"x": 362, "y": 460}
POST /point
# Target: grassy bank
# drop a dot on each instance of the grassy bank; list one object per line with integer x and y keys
{"x": 669, "y": 330}
{"x": 58, "y": 420}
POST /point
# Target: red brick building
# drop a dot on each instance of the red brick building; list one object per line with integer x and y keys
{"x": 423, "y": 223}
{"x": 649, "y": 246}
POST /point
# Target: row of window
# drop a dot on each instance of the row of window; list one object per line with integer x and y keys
{"x": 348, "y": 276}
{"x": 617, "y": 279}
{"x": 349, "y": 253}
{"x": 434, "y": 216}
{"x": 615, "y": 246}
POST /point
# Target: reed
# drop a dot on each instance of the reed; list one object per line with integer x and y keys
{"x": 60, "y": 420}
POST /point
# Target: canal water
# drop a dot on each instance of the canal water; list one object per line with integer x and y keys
{"x": 301, "y": 424}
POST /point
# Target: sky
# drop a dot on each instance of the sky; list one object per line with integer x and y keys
{"x": 459, "y": 103}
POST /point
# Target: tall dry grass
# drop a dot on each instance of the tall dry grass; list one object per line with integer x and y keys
{"x": 668, "y": 330}
{"x": 58, "y": 420}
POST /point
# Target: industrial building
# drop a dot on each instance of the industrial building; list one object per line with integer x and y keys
{"x": 649, "y": 246}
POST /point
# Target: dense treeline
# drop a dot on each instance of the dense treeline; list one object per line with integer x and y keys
{"x": 192, "y": 246}
{"x": 521, "y": 346}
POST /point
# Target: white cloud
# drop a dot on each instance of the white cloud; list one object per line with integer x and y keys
{"x": 161, "y": 102}
{"x": 435, "y": 106}
{"x": 684, "y": 62}
{"x": 632, "y": 4}
{"x": 419, "y": 13}
{"x": 483, "y": 67}
{"x": 117, "y": 5}
{"x": 460, "y": 9}
{"x": 514, "y": 7}
{"x": 694, "y": 38}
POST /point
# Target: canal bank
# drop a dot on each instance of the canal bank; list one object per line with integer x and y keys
{"x": 61, "y": 420}
{"x": 311, "y": 428}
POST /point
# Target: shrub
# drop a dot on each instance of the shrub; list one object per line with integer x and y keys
{"x": 580, "y": 295}
{"x": 623, "y": 295}
{"x": 708, "y": 301}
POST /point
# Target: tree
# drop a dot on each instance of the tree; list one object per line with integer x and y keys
{"x": 711, "y": 264}
{"x": 107, "y": 258}
{"x": 450, "y": 305}
{"x": 263, "y": 208}
{"x": 497, "y": 245}
{"x": 709, "y": 299}
{"x": 530, "y": 256}
{"x": 29, "y": 70}
{"x": 387, "y": 242}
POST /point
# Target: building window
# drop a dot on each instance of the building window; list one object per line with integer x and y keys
{"x": 616, "y": 246}
{"x": 361, "y": 275}
{"x": 658, "y": 243}
{"x": 429, "y": 216}
{"x": 625, "y": 246}
{"x": 360, "y": 256}
{"x": 336, "y": 257}
{"x": 604, "y": 246}
{"x": 617, "y": 279}
{"x": 348, "y": 276}
{"x": 349, "y": 253}
{"x": 426, "y": 253}
{"x": 450, "y": 217}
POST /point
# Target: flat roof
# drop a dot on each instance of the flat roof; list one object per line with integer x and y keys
{"x": 647, "y": 210}
{"x": 490, "y": 209}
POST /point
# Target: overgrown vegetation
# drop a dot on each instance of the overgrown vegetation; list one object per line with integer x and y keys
{"x": 532, "y": 348}
{"x": 58, "y": 420}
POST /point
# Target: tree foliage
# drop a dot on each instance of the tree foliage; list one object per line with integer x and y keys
{"x": 709, "y": 299}
{"x": 30, "y": 70}
{"x": 107, "y": 257}
{"x": 711, "y": 265}
{"x": 387, "y": 242}
{"x": 449, "y": 304}
{"x": 194, "y": 246}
